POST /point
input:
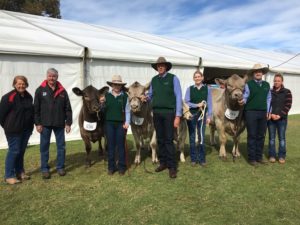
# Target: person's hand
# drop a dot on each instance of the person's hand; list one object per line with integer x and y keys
{"x": 241, "y": 102}
{"x": 144, "y": 98}
{"x": 275, "y": 117}
{"x": 176, "y": 121}
{"x": 39, "y": 128}
{"x": 200, "y": 105}
{"x": 125, "y": 126}
{"x": 102, "y": 99}
{"x": 208, "y": 121}
{"x": 68, "y": 129}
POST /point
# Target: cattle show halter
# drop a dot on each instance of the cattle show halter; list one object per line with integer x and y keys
{"x": 201, "y": 117}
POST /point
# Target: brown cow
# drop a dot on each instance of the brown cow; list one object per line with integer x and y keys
{"x": 227, "y": 113}
{"x": 91, "y": 119}
{"x": 141, "y": 121}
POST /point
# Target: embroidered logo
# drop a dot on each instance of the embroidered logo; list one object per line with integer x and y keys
{"x": 44, "y": 93}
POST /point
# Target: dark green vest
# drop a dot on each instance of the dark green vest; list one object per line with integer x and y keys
{"x": 257, "y": 99}
{"x": 197, "y": 96}
{"x": 115, "y": 107}
{"x": 163, "y": 97}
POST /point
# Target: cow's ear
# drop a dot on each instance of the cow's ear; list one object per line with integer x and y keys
{"x": 147, "y": 86}
{"x": 77, "y": 91}
{"x": 103, "y": 90}
{"x": 220, "y": 82}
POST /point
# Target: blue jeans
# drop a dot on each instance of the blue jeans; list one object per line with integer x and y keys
{"x": 164, "y": 127}
{"x": 60, "y": 145}
{"x": 14, "y": 163}
{"x": 197, "y": 150}
{"x": 116, "y": 135}
{"x": 280, "y": 127}
{"x": 256, "y": 123}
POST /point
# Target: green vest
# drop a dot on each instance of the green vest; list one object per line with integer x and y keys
{"x": 115, "y": 107}
{"x": 257, "y": 99}
{"x": 163, "y": 97}
{"x": 197, "y": 96}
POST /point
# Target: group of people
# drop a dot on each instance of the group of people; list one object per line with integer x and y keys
{"x": 51, "y": 111}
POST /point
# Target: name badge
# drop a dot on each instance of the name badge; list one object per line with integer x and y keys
{"x": 89, "y": 126}
{"x": 137, "y": 120}
{"x": 231, "y": 114}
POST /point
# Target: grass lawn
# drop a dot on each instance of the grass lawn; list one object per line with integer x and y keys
{"x": 223, "y": 193}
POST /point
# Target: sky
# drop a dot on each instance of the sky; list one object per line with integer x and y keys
{"x": 272, "y": 25}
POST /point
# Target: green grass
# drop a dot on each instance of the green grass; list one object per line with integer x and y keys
{"x": 223, "y": 193}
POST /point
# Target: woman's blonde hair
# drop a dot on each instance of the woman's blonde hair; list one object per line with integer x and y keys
{"x": 22, "y": 78}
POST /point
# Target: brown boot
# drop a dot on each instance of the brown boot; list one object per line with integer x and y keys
{"x": 23, "y": 176}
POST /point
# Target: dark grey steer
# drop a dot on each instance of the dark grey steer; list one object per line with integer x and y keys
{"x": 141, "y": 121}
{"x": 227, "y": 113}
{"x": 91, "y": 118}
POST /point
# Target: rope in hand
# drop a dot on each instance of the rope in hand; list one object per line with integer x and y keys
{"x": 201, "y": 117}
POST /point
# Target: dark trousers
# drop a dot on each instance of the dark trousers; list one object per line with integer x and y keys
{"x": 197, "y": 150}
{"x": 45, "y": 137}
{"x": 280, "y": 127}
{"x": 115, "y": 134}
{"x": 164, "y": 127}
{"x": 256, "y": 122}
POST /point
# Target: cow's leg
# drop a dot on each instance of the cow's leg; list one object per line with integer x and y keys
{"x": 223, "y": 140}
{"x": 182, "y": 137}
{"x": 235, "y": 150}
{"x": 137, "y": 140}
{"x": 100, "y": 149}
{"x": 153, "y": 146}
{"x": 212, "y": 135}
{"x": 88, "y": 148}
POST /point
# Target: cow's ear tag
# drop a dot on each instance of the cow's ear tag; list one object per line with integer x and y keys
{"x": 231, "y": 114}
{"x": 89, "y": 126}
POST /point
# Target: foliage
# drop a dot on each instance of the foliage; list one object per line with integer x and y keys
{"x": 48, "y": 8}
{"x": 223, "y": 193}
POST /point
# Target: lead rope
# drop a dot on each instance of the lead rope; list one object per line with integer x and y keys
{"x": 201, "y": 117}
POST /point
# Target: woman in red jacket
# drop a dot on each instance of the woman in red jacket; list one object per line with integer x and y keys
{"x": 16, "y": 118}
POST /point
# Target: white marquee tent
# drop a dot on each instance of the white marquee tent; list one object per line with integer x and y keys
{"x": 88, "y": 54}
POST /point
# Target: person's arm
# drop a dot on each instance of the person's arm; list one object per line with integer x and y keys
{"x": 246, "y": 93}
{"x": 269, "y": 99}
{"x": 68, "y": 111}
{"x": 178, "y": 95}
{"x": 187, "y": 98}
{"x": 127, "y": 115}
{"x": 209, "y": 103}
{"x": 5, "y": 108}
{"x": 287, "y": 104}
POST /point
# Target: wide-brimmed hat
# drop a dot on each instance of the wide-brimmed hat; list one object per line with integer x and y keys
{"x": 116, "y": 79}
{"x": 162, "y": 60}
{"x": 258, "y": 66}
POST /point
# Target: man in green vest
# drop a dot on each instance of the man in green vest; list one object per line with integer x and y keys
{"x": 166, "y": 96}
{"x": 257, "y": 99}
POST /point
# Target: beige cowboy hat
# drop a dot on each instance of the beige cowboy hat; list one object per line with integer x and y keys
{"x": 258, "y": 66}
{"x": 162, "y": 60}
{"x": 116, "y": 79}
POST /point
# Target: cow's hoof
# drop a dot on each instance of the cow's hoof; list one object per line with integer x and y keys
{"x": 88, "y": 163}
{"x": 223, "y": 158}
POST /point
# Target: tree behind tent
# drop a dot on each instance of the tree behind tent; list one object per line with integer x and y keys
{"x": 48, "y": 8}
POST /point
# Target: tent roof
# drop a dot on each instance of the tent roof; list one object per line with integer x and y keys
{"x": 29, "y": 34}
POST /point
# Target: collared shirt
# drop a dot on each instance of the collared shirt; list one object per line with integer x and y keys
{"x": 187, "y": 99}
{"x": 177, "y": 92}
{"x": 247, "y": 94}
{"x": 127, "y": 107}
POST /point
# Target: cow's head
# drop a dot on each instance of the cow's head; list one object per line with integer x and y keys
{"x": 234, "y": 86}
{"x": 135, "y": 91}
{"x": 90, "y": 97}
{"x": 186, "y": 114}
